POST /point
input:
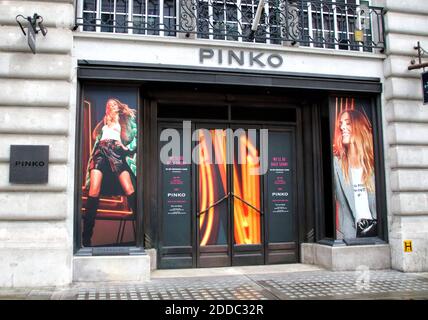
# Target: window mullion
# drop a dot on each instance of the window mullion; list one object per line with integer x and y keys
{"x": 359, "y": 22}
{"x": 114, "y": 16}
{"x": 161, "y": 22}
{"x": 239, "y": 19}
{"x": 311, "y": 30}
{"x": 80, "y": 12}
{"x": 146, "y": 17}
{"x": 348, "y": 36}
{"x": 336, "y": 32}
{"x": 267, "y": 30}
{"x": 372, "y": 31}
{"x": 225, "y": 18}
{"x": 322, "y": 24}
{"x": 254, "y": 10}
{"x": 129, "y": 16}
{"x": 358, "y": 25}
{"x": 177, "y": 21}
{"x": 211, "y": 19}
{"x": 98, "y": 17}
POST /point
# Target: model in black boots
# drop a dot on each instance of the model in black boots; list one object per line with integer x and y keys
{"x": 132, "y": 202}
{"x": 89, "y": 220}
{"x": 113, "y": 154}
{"x": 91, "y": 213}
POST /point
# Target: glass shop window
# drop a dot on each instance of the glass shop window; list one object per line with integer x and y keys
{"x": 108, "y": 166}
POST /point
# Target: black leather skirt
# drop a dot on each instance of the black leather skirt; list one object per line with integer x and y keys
{"x": 108, "y": 156}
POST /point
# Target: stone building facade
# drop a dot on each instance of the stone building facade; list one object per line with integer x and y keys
{"x": 405, "y": 117}
{"x": 39, "y": 102}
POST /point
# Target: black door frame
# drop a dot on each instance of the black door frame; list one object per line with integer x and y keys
{"x": 78, "y": 249}
{"x": 289, "y": 250}
{"x": 315, "y": 89}
{"x": 236, "y": 254}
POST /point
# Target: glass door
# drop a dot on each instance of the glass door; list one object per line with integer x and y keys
{"x": 229, "y": 215}
{"x": 247, "y": 211}
{"x": 234, "y": 204}
{"x": 213, "y": 200}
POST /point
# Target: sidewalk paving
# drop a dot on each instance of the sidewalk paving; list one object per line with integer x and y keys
{"x": 278, "y": 282}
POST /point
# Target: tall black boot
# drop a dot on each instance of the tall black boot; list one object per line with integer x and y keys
{"x": 89, "y": 221}
{"x": 132, "y": 203}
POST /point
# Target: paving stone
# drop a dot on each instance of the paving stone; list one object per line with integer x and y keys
{"x": 294, "y": 285}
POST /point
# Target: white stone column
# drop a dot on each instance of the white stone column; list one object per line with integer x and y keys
{"x": 406, "y": 134}
{"x": 36, "y": 221}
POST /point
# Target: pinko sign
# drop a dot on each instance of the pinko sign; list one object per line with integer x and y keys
{"x": 240, "y": 58}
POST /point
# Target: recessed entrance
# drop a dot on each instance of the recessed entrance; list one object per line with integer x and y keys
{"x": 235, "y": 202}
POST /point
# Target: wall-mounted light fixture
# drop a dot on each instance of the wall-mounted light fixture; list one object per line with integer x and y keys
{"x": 34, "y": 26}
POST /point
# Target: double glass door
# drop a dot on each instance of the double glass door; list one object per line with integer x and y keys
{"x": 229, "y": 198}
{"x": 234, "y": 203}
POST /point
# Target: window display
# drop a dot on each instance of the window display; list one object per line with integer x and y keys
{"x": 109, "y": 166}
{"x": 354, "y": 170}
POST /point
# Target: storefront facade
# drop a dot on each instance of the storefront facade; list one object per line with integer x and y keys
{"x": 177, "y": 148}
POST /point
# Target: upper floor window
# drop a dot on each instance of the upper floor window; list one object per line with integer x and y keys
{"x": 332, "y": 24}
{"x": 150, "y": 17}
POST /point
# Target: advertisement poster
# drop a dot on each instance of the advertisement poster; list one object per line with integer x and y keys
{"x": 176, "y": 187}
{"x": 109, "y": 168}
{"x": 280, "y": 187}
{"x": 354, "y": 170}
{"x": 176, "y": 200}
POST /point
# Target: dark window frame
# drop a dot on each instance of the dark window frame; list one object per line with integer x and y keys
{"x": 140, "y": 75}
{"x": 380, "y": 184}
{"x": 78, "y": 249}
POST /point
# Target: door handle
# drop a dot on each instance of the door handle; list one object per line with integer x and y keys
{"x": 214, "y": 204}
{"x": 224, "y": 198}
{"x": 248, "y": 204}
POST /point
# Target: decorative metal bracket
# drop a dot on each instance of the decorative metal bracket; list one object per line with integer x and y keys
{"x": 421, "y": 53}
{"x": 33, "y": 23}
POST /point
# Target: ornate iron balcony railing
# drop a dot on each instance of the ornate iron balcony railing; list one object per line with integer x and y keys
{"x": 335, "y": 24}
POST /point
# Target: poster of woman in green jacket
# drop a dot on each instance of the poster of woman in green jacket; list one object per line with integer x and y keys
{"x": 112, "y": 163}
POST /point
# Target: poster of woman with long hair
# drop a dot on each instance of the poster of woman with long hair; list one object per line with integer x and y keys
{"x": 109, "y": 166}
{"x": 354, "y": 169}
